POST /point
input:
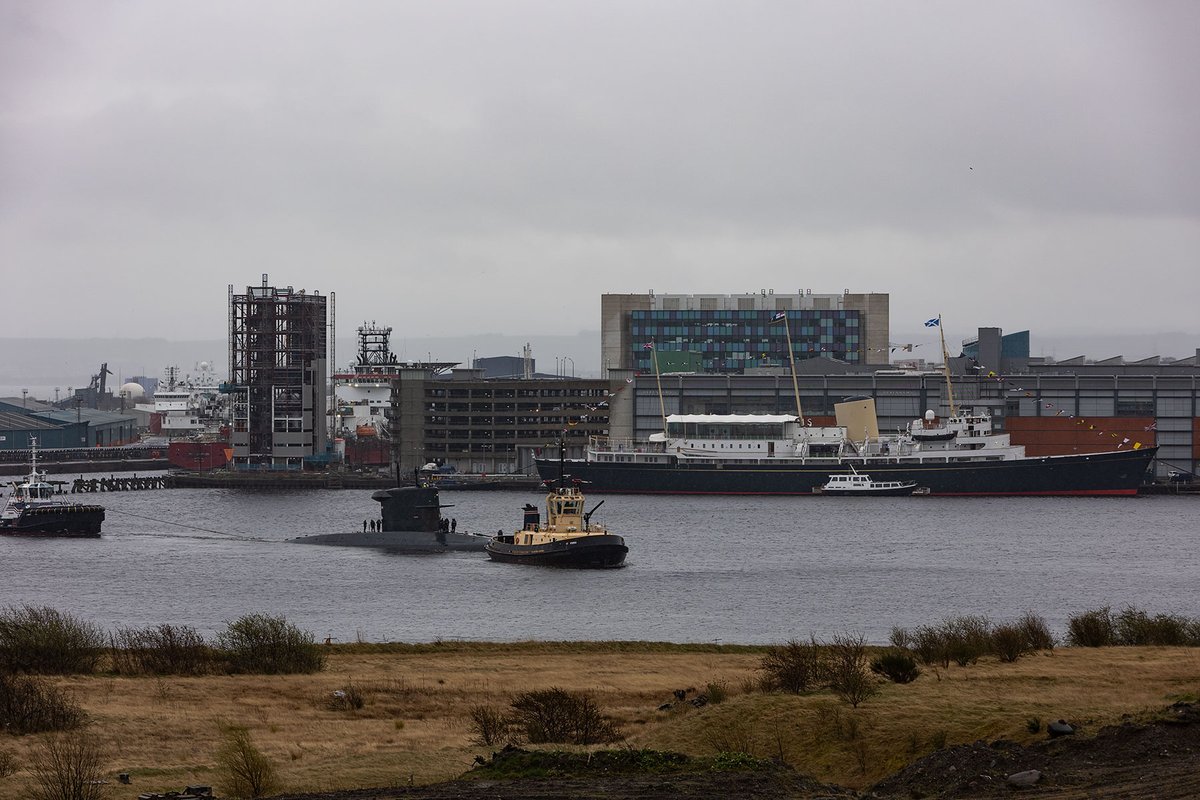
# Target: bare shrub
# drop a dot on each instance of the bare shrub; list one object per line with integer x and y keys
{"x": 1135, "y": 627}
{"x": 243, "y": 772}
{"x": 490, "y": 726}
{"x": 901, "y": 639}
{"x": 8, "y": 763}
{"x": 161, "y": 650}
{"x": 1091, "y": 628}
{"x": 717, "y": 691}
{"x": 797, "y": 667}
{"x": 266, "y": 645}
{"x": 348, "y": 698}
{"x": 68, "y": 767}
{"x": 29, "y": 704}
{"x": 1037, "y": 632}
{"x": 847, "y": 671}
{"x": 556, "y": 715}
{"x": 42, "y": 639}
{"x": 898, "y": 666}
{"x": 966, "y": 638}
{"x": 1008, "y": 642}
{"x": 929, "y": 643}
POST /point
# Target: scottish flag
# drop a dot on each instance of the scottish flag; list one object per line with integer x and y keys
{"x": 933, "y": 323}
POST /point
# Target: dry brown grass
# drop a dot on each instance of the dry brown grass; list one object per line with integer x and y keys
{"x": 415, "y": 721}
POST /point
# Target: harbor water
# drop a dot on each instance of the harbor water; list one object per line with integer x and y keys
{"x": 700, "y": 569}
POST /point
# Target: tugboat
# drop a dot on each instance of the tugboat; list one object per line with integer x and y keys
{"x": 410, "y": 521}
{"x": 568, "y": 538}
{"x": 34, "y": 509}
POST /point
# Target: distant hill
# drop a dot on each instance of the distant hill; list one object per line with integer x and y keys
{"x": 39, "y": 365}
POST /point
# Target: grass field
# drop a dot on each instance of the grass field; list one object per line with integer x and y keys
{"x": 415, "y": 724}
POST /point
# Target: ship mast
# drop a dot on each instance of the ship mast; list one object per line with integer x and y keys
{"x": 946, "y": 369}
{"x": 662, "y": 406}
{"x": 782, "y": 317}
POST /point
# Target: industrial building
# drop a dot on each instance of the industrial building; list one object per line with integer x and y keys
{"x": 730, "y": 334}
{"x": 21, "y": 421}
{"x": 475, "y": 424}
{"x": 277, "y": 377}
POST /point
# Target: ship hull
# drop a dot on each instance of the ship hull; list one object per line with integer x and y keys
{"x": 1096, "y": 474}
{"x": 891, "y": 491}
{"x": 584, "y": 552}
{"x": 80, "y": 521}
{"x": 402, "y": 541}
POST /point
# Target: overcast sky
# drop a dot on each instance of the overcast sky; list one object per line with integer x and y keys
{"x": 471, "y": 167}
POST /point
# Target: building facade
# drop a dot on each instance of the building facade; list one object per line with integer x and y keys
{"x": 481, "y": 425}
{"x": 277, "y": 377}
{"x": 734, "y": 333}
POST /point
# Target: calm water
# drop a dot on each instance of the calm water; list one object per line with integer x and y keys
{"x": 699, "y": 569}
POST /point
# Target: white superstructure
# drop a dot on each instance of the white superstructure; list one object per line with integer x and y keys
{"x": 188, "y": 405}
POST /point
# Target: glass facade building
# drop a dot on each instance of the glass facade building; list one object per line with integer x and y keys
{"x": 730, "y": 341}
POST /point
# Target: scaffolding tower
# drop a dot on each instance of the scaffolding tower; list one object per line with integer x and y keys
{"x": 277, "y": 372}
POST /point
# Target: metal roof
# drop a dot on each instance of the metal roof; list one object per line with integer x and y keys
{"x": 25, "y": 422}
{"x": 89, "y": 415}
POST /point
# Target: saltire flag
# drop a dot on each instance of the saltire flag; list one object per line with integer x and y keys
{"x": 779, "y": 315}
{"x": 933, "y": 323}
{"x": 1151, "y": 426}
{"x": 648, "y": 346}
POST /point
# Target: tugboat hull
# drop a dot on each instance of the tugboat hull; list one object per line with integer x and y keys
{"x": 584, "y": 552}
{"x": 82, "y": 521}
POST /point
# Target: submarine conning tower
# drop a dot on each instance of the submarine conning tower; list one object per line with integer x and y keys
{"x": 409, "y": 508}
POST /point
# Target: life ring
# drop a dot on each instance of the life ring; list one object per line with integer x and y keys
{"x": 154, "y": 454}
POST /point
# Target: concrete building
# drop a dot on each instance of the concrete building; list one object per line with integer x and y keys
{"x": 476, "y": 424}
{"x": 731, "y": 334}
{"x": 277, "y": 377}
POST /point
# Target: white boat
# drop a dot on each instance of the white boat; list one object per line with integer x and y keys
{"x": 856, "y": 484}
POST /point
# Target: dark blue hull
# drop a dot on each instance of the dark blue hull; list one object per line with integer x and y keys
{"x": 1114, "y": 473}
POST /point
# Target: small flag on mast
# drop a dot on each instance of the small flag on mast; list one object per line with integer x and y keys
{"x": 648, "y": 346}
{"x": 933, "y": 323}
{"x": 779, "y": 316}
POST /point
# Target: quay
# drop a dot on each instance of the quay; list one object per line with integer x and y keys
{"x": 269, "y": 481}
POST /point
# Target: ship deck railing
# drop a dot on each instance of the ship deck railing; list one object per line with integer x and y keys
{"x": 614, "y": 444}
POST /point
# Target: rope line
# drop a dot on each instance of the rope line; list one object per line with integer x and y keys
{"x": 191, "y": 527}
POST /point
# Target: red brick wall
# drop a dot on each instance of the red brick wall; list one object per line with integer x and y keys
{"x": 1054, "y": 436}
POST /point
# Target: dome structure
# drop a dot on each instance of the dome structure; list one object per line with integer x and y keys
{"x": 133, "y": 391}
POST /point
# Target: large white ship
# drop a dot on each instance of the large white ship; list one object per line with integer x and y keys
{"x": 188, "y": 405}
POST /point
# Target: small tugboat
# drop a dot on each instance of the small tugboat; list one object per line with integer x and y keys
{"x": 855, "y": 484}
{"x": 568, "y": 538}
{"x": 34, "y": 509}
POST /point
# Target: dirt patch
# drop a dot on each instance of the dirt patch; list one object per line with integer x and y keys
{"x": 1158, "y": 758}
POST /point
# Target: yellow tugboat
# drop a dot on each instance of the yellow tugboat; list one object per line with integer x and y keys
{"x": 568, "y": 538}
